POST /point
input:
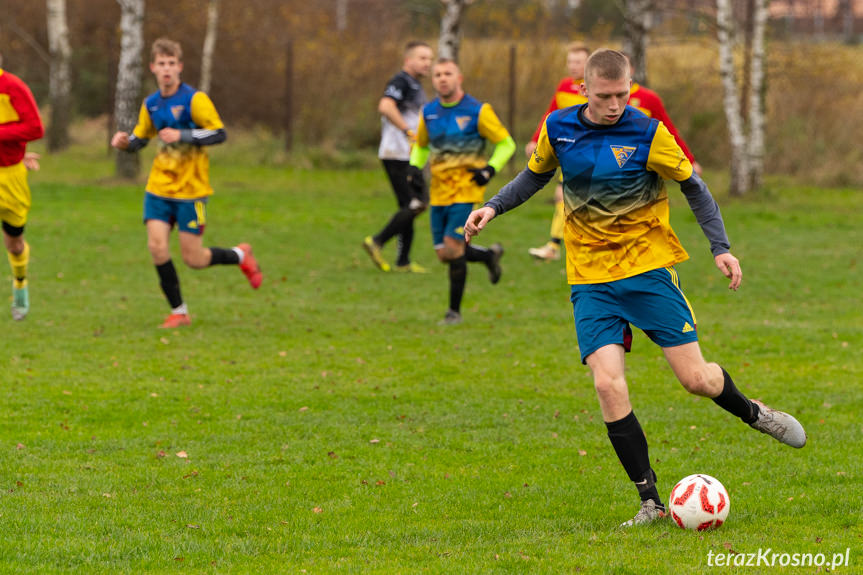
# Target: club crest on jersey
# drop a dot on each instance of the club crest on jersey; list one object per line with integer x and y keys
{"x": 463, "y": 121}
{"x": 177, "y": 111}
{"x": 622, "y": 154}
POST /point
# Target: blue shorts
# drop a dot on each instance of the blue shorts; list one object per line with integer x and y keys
{"x": 448, "y": 221}
{"x": 189, "y": 215}
{"x": 652, "y": 302}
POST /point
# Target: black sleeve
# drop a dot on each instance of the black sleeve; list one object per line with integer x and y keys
{"x": 136, "y": 143}
{"x": 707, "y": 213}
{"x": 519, "y": 190}
{"x": 201, "y": 137}
{"x": 398, "y": 89}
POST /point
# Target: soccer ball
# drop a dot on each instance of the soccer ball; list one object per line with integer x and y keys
{"x": 699, "y": 502}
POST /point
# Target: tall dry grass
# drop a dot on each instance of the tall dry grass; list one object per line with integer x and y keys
{"x": 813, "y": 98}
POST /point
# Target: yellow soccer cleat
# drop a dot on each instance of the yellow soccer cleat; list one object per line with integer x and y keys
{"x": 374, "y": 251}
{"x": 412, "y": 268}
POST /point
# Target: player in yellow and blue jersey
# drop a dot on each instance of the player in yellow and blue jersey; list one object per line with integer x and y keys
{"x": 621, "y": 251}
{"x": 185, "y": 121}
{"x": 453, "y": 130}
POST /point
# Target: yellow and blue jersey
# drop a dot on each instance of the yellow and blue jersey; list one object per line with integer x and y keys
{"x": 180, "y": 170}
{"x": 615, "y": 199}
{"x": 456, "y": 136}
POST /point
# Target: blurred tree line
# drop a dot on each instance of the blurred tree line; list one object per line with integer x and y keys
{"x": 343, "y": 51}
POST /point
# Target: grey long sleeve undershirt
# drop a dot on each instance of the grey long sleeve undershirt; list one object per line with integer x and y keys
{"x": 701, "y": 202}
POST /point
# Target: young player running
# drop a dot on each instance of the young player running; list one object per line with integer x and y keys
{"x": 19, "y": 124}
{"x": 453, "y": 130}
{"x": 620, "y": 252}
{"x": 400, "y": 109}
{"x": 185, "y": 121}
{"x": 568, "y": 93}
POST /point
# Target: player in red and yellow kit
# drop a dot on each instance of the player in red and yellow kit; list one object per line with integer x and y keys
{"x": 19, "y": 123}
{"x": 621, "y": 250}
{"x": 453, "y": 130}
{"x": 185, "y": 121}
{"x": 568, "y": 93}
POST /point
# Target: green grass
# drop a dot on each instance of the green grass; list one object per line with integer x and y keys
{"x": 332, "y": 426}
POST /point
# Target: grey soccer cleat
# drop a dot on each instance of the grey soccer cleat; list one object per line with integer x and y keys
{"x": 779, "y": 425}
{"x": 20, "y": 303}
{"x": 648, "y": 513}
{"x": 451, "y": 318}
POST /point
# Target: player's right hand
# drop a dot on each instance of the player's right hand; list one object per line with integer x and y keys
{"x": 476, "y": 221}
{"x": 120, "y": 140}
{"x": 31, "y": 161}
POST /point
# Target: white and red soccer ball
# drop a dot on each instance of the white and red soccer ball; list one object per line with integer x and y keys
{"x": 699, "y": 502}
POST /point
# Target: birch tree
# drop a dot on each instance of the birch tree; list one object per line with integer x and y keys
{"x": 341, "y": 15}
{"x": 450, "y": 28}
{"x": 60, "y": 83}
{"x": 209, "y": 45}
{"x": 637, "y": 21}
{"x": 127, "y": 100}
{"x": 746, "y": 134}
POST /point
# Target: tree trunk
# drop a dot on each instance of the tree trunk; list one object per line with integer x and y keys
{"x": 846, "y": 13}
{"x": 127, "y": 99}
{"x": 60, "y": 84}
{"x": 637, "y": 20}
{"x": 450, "y": 29}
{"x": 209, "y": 45}
{"x": 737, "y": 136}
{"x": 341, "y": 15}
{"x": 756, "y": 94}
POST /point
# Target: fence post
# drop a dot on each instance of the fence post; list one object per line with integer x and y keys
{"x": 512, "y": 86}
{"x": 289, "y": 96}
{"x": 109, "y": 89}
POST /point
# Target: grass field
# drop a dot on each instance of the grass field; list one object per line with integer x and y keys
{"x": 326, "y": 423}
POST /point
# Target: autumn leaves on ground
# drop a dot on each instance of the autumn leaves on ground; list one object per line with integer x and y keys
{"x": 327, "y": 423}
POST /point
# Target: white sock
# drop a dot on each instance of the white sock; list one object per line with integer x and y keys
{"x": 239, "y": 252}
{"x": 180, "y": 310}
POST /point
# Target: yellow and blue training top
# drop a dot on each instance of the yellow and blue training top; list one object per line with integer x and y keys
{"x": 180, "y": 170}
{"x": 455, "y": 136}
{"x": 615, "y": 199}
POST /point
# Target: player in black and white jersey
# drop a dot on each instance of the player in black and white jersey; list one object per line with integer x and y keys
{"x": 400, "y": 107}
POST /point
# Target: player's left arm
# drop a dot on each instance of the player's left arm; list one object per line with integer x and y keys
{"x": 210, "y": 130}
{"x": 491, "y": 128}
{"x": 29, "y": 126}
{"x": 668, "y": 160}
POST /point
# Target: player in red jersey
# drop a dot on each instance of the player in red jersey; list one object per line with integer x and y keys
{"x": 650, "y": 103}
{"x": 568, "y": 93}
{"x": 19, "y": 123}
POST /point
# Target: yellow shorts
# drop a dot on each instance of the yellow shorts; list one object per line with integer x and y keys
{"x": 14, "y": 195}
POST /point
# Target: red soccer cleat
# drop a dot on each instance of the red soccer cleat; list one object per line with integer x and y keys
{"x": 250, "y": 267}
{"x": 176, "y": 320}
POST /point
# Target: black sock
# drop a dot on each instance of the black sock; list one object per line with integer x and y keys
{"x": 405, "y": 239}
{"x": 402, "y": 218}
{"x": 629, "y": 443}
{"x": 457, "y": 279}
{"x": 734, "y": 402}
{"x": 556, "y": 241}
{"x": 170, "y": 283}
{"x": 223, "y": 256}
{"x": 474, "y": 253}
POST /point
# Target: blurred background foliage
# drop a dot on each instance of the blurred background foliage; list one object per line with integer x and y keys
{"x": 813, "y": 94}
